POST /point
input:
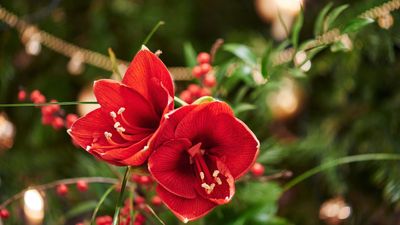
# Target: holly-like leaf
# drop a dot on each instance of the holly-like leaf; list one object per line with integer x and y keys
{"x": 190, "y": 54}
{"x": 356, "y": 24}
{"x": 242, "y": 52}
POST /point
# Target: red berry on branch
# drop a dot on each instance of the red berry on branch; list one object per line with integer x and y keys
{"x": 257, "y": 169}
{"x": 62, "y": 190}
{"x": 197, "y": 72}
{"x": 145, "y": 180}
{"x": 194, "y": 89}
{"x": 4, "y": 214}
{"x": 70, "y": 119}
{"x": 186, "y": 96}
{"x": 205, "y": 68}
{"x": 156, "y": 200}
{"x": 203, "y": 57}
{"x": 55, "y": 107}
{"x": 82, "y": 186}
{"x": 57, "y": 123}
{"x": 139, "y": 200}
{"x": 47, "y": 119}
{"x": 80, "y": 223}
{"x": 205, "y": 92}
{"x": 209, "y": 80}
{"x": 104, "y": 220}
{"x": 136, "y": 178}
{"x": 35, "y": 95}
{"x": 140, "y": 218}
{"x": 22, "y": 95}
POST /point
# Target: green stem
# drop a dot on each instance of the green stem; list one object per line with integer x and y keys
{"x": 114, "y": 64}
{"x": 121, "y": 195}
{"x": 44, "y": 104}
{"x": 102, "y": 199}
{"x": 340, "y": 161}
{"x": 180, "y": 101}
{"x": 155, "y": 28}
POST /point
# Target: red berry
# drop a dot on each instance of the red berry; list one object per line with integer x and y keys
{"x": 205, "y": 92}
{"x": 186, "y": 96}
{"x": 209, "y": 80}
{"x": 22, "y": 95}
{"x": 140, "y": 218}
{"x": 4, "y": 214}
{"x": 197, "y": 72}
{"x": 139, "y": 200}
{"x": 55, "y": 107}
{"x": 203, "y": 57}
{"x": 62, "y": 190}
{"x": 104, "y": 220}
{"x": 57, "y": 123}
{"x": 80, "y": 223}
{"x": 156, "y": 200}
{"x": 82, "y": 185}
{"x": 35, "y": 94}
{"x": 145, "y": 180}
{"x": 205, "y": 68}
{"x": 257, "y": 169}
{"x": 70, "y": 119}
{"x": 47, "y": 119}
{"x": 194, "y": 89}
{"x": 40, "y": 99}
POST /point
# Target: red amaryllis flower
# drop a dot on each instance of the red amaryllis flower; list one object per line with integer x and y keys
{"x": 198, "y": 152}
{"x": 119, "y": 131}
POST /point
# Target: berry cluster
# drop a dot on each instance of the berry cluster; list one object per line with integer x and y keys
{"x": 52, "y": 115}
{"x": 257, "y": 169}
{"x": 4, "y": 214}
{"x": 203, "y": 72}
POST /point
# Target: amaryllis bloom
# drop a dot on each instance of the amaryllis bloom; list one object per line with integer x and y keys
{"x": 120, "y": 130}
{"x": 198, "y": 153}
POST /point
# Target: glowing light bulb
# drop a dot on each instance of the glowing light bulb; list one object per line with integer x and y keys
{"x": 33, "y": 207}
{"x": 33, "y": 46}
{"x": 75, "y": 65}
{"x": 87, "y": 95}
{"x": 7, "y": 132}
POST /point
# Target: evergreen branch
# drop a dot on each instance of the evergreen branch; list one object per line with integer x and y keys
{"x": 338, "y": 162}
{"x": 155, "y": 28}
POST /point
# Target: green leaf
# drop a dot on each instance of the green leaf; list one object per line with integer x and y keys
{"x": 242, "y": 52}
{"x": 356, "y": 24}
{"x": 81, "y": 208}
{"x": 332, "y": 16}
{"x": 266, "y": 62}
{"x": 297, "y": 28}
{"x": 244, "y": 107}
{"x": 190, "y": 54}
{"x": 318, "y": 28}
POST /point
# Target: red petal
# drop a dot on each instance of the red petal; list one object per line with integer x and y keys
{"x": 169, "y": 122}
{"x": 170, "y": 166}
{"x": 185, "y": 209}
{"x": 143, "y": 68}
{"x": 90, "y": 126}
{"x": 222, "y": 134}
{"x": 139, "y": 112}
{"x": 222, "y": 193}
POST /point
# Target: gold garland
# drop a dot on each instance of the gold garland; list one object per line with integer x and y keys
{"x": 179, "y": 73}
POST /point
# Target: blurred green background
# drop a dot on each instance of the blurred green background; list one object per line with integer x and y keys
{"x": 351, "y": 104}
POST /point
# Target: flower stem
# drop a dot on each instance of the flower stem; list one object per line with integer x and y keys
{"x": 155, "y": 28}
{"x": 180, "y": 101}
{"x": 121, "y": 195}
{"x": 100, "y": 203}
{"x": 340, "y": 161}
{"x": 44, "y": 104}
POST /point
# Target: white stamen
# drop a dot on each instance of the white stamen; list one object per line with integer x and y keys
{"x": 120, "y": 129}
{"x": 113, "y": 114}
{"x": 69, "y": 131}
{"x": 166, "y": 116}
{"x": 108, "y": 135}
{"x": 215, "y": 173}
{"x": 202, "y": 175}
{"x": 185, "y": 220}
{"x": 205, "y": 186}
{"x": 88, "y": 148}
{"x": 116, "y": 125}
{"x": 145, "y": 147}
{"x": 212, "y": 186}
{"x": 121, "y": 110}
{"x": 219, "y": 182}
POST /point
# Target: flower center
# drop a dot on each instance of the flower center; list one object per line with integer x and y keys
{"x": 208, "y": 179}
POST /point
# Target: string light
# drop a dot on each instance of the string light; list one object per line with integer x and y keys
{"x": 87, "y": 95}
{"x": 33, "y": 207}
{"x": 7, "y": 132}
{"x": 334, "y": 211}
{"x": 300, "y": 59}
{"x": 386, "y": 21}
{"x": 75, "y": 65}
{"x": 181, "y": 73}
